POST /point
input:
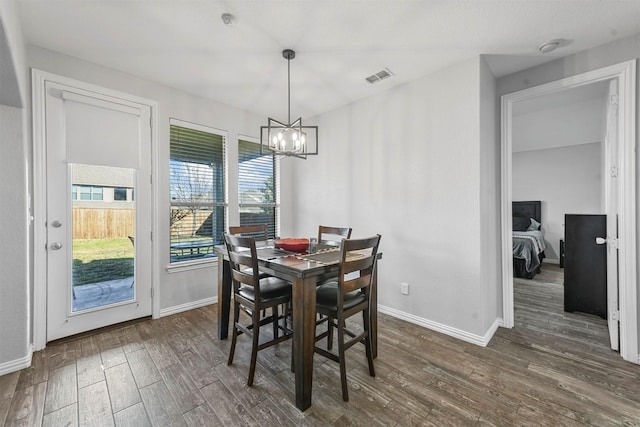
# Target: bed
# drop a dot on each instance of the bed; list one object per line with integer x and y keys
{"x": 528, "y": 240}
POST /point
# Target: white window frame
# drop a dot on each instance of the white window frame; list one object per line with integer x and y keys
{"x": 182, "y": 265}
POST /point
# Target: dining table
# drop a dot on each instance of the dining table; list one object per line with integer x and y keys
{"x": 305, "y": 271}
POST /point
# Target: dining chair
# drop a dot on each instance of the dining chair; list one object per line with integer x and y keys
{"x": 259, "y": 231}
{"x": 332, "y": 236}
{"x": 349, "y": 295}
{"x": 253, "y": 295}
{"x": 328, "y": 234}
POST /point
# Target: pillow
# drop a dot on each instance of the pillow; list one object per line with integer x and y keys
{"x": 521, "y": 223}
{"x": 535, "y": 225}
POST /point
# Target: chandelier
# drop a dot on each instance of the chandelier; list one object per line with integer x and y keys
{"x": 290, "y": 139}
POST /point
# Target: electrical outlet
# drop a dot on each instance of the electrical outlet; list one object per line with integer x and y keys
{"x": 404, "y": 288}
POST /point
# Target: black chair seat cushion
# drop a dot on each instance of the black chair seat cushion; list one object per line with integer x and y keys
{"x": 327, "y": 297}
{"x": 270, "y": 288}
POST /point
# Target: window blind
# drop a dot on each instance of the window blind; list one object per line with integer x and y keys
{"x": 197, "y": 191}
{"x": 257, "y": 187}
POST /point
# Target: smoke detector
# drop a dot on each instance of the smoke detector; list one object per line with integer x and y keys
{"x": 549, "y": 46}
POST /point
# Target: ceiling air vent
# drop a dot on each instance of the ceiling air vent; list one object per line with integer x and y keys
{"x": 380, "y": 75}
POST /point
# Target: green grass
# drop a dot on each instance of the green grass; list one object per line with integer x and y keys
{"x": 99, "y": 260}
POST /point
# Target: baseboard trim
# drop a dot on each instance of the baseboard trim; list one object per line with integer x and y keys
{"x": 188, "y": 306}
{"x": 481, "y": 340}
{"x": 17, "y": 364}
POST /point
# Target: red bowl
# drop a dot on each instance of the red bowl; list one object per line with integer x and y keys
{"x": 293, "y": 245}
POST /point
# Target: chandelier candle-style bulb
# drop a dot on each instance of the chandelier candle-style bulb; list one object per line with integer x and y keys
{"x": 286, "y": 138}
{"x": 290, "y": 139}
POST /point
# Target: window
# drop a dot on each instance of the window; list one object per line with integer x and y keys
{"x": 197, "y": 190}
{"x": 119, "y": 193}
{"x": 86, "y": 192}
{"x": 257, "y": 187}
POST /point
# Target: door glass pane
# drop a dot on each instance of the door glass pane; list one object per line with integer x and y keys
{"x": 103, "y": 235}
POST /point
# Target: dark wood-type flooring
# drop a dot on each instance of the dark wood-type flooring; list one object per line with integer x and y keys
{"x": 553, "y": 369}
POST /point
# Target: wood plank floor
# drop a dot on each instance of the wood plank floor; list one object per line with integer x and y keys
{"x": 553, "y": 369}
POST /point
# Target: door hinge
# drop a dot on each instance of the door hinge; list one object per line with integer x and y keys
{"x": 151, "y": 179}
{"x": 151, "y": 292}
{"x": 614, "y": 314}
{"x": 151, "y": 235}
{"x": 613, "y": 242}
{"x": 614, "y": 171}
{"x": 614, "y": 100}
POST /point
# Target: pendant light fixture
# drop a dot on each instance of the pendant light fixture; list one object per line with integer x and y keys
{"x": 290, "y": 139}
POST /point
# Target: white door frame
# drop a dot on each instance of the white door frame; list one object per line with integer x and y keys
{"x": 626, "y": 74}
{"x": 38, "y": 79}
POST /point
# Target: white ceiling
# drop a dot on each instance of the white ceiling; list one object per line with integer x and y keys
{"x": 185, "y": 45}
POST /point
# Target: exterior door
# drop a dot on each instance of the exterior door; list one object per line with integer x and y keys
{"x": 611, "y": 201}
{"x": 98, "y": 202}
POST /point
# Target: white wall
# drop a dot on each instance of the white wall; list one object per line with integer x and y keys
{"x": 578, "y": 123}
{"x": 407, "y": 164}
{"x": 568, "y": 180}
{"x": 14, "y": 187}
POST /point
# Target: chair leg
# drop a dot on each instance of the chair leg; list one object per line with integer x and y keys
{"x": 274, "y": 314}
{"x": 329, "y": 333}
{"x": 254, "y": 346}
{"x": 366, "y": 321}
{"x": 343, "y": 367}
{"x": 234, "y": 334}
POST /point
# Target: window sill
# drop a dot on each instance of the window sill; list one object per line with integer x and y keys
{"x": 179, "y": 267}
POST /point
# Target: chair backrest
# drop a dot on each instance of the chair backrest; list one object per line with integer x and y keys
{"x": 259, "y": 232}
{"x": 328, "y": 234}
{"x": 357, "y": 255}
{"x": 243, "y": 259}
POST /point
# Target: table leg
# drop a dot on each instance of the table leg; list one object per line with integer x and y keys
{"x": 224, "y": 297}
{"x": 304, "y": 329}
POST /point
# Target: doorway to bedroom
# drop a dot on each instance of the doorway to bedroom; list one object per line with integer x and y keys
{"x": 555, "y": 151}
{"x": 557, "y": 167}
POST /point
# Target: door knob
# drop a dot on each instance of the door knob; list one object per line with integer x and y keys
{"x": 56, "y": 224}
{"x": 56, "y": 245}
{"x": 600, "y": 240}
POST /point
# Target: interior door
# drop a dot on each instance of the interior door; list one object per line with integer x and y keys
{"x": 611, "y": 201}
{"x": 98, "y": 168}
{"x": 585, "y": 264}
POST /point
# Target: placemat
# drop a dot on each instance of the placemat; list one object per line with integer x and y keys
{"x": 331, "y": 256}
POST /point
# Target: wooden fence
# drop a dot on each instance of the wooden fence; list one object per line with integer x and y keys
{"x": 102, "y": 223}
